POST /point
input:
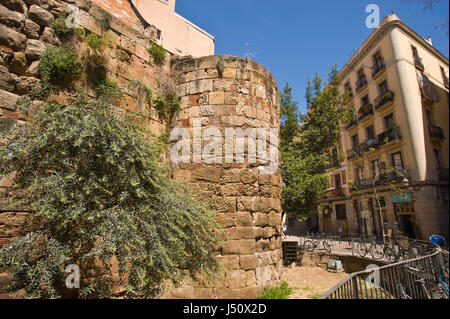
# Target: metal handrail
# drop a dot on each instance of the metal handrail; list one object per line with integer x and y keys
{"x": 354, "y": 286}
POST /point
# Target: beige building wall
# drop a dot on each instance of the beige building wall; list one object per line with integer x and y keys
{"x": 178, "y": 35}
{"x": 428, "y": 184}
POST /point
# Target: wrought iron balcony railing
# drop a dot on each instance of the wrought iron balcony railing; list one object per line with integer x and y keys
{"x": 365, "y": 111}
{"x": 368, "y": 145}
{"x": 361, "y": 83}
{"x": 378, "y": 67}
{"x": 352, "y": 153}
{"x": 353, "y": 122}
{"x": 388, "y": 136}
{"x": 384, "y": 99}
{"x": 418, "y": 63}
{"x": 436, "y": 133}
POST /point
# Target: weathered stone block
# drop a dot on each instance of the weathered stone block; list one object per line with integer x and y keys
{"x": 265, "y": 258}
{"x": 40, "y": 16}
{"x": 12, "y": 39}
{"x": 7, "y": 80}
{"x": 245, "y": 233}
{"x": 229, "y": 262}
{"x": 49, "y": 36}
{"x": 217, "y": 98}
{"x": 260, "y": 219}
{"x": 8, "y": 100}
{"x": 226, "y": 219}
{"x": 223, "y": 204}
{"x": 248, "y": 177}
{"x": 18, "y": 63}
{"x": 247, "y": 262}
{"x": 244, "y": 219}
{"x": 200, "y": 86}
{"x": 26, "y": 85}
{"x": 34, "y": 49}
{"x": 239, "y": 247}
{"x": 11, "y": 18}
{"x": 15, "y": 5}
{"x": 31, "y": 29}
{"x": 207, "y": 174}
{"x": 246, "y": 204}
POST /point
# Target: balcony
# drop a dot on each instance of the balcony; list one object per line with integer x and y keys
{"x": 353, "y": 153}
{"x": 353, "y": 122}
{"x": 337, "y": 192}
{"x": 361, "y": 83}
{"x": 378, "y": 67}
{"x": 443, "y": 174}
{"x": 445, "y": 78}
{"x": 388, "y": 136}
{"x": 384, "y": 99}
{"x": 334, "y": 162}
{"x": 436, "y": 133}
{"x": 418, "y": 63}
{"x": 365, "y": 111}
{"x": 368, "y": 146}
{"x": 385, "y": 178}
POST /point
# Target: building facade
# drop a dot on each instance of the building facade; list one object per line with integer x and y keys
{"x": 389, "y": 171}
{"x": 176, "y": 34}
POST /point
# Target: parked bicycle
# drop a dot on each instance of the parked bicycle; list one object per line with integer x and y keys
{"x": 400, "y": 250}
{"x": 310, "y": 245}
{"x": 376, "y": 250}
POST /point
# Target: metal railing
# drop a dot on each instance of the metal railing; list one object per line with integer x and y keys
{"x": 409, "y": 279}
{"x": 390, "y": 135}
{"x": 383, "y": 99}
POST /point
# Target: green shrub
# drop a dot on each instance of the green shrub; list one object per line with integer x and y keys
{"x": 94, "y": 41}
{"x": 167, "y": 106}
{"x": 99, "y": 189}
{"x": 158, "y": 53}
{"x": 105, "y": 21}
{"x": 60, "y": 27}
{"x": 281, "y": 291}
{"x": 148, "y": 92}
{"x": 58, "y": 66}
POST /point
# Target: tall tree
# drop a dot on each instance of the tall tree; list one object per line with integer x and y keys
{"x": 305, "y": 158}
{"x": 289, "y": 116}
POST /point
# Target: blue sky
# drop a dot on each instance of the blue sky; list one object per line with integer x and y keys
{"x": 294, "y": 39}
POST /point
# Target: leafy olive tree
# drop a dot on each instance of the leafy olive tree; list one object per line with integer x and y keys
{"x": 101, "y": 195}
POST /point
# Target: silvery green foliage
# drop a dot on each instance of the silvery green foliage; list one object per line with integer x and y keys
{"x": 98, "y": 189}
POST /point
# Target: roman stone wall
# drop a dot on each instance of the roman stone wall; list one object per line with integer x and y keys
{"x": 240, "y": 94}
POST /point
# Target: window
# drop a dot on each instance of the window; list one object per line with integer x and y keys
{"x": 383, "y": 88}
{"x": 397, "y": 162}
{"x": 444, "y": 77}
{"x": 355, "y": 142}
{"x": 376, "y": 168}
{"x": 370, "y": 132}
{"x": 359, "y": 173}
{"x": 378, "y": 63}
{"x": 389, "y": 121}
{"x": 341, "y": 212}
{"x": 365, "y": 100}
{"x": 337, "y": 181}
{"x": 348, "y": 88}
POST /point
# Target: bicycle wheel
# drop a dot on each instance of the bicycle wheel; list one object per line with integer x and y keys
{"x": 376, "y": 251}
{"x": 390, "y": 255}
{"x": 308, "y": 246}
{"x": 362, "y": 249}
{"x": 327, "y": 247}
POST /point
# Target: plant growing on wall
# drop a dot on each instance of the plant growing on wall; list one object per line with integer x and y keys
{"x": 99, "y": 191}
{"x": 157, "y": 52}
{"x": 58, "y": 66}
{"x": 145, "y": 88}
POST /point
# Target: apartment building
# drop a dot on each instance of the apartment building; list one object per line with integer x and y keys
{"x": 176, "y": 34}
{"x": 389, "y": 170}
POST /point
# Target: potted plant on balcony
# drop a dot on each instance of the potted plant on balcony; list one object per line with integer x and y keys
{"x": 388, "y": 96}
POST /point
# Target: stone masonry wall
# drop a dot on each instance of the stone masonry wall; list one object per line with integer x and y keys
{"x": 245, "y": 95}
{"x": 248, "y": 203}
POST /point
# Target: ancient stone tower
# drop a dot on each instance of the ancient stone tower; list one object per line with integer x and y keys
{"x": 228, "y": 92}
{"x": 216, "y": 91}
